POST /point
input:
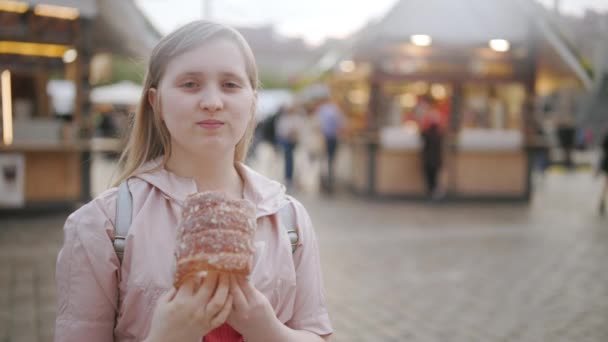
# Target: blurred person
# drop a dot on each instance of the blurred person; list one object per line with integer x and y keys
{"x": 603, "y": 169}
{"x": 310, "y": 151}
{"x": 584, "y": 138}
{"x": 566, "y": 135}
{"x": 497, "y": 111}
{"x": 288, "y": 129}
{"x": 312, "y": 138}
{"x": 537, "y": 137}
{"x": 332, "y": 123}
{"x": 267, "y": 128}
{"x": 190, "y": 134}
{"x": 264, "y": 152}
{"x": 106, "y": 126}
{"x": 431, "y": 134}
{"x": 265, "y": 132}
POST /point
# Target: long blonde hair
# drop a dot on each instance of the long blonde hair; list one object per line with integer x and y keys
{"x": 148, "y": 137}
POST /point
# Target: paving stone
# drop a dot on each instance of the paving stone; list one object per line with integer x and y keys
{"x": 403, "y": 271}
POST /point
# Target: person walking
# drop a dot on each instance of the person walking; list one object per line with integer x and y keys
{"x": 289, "y": 125}
{"x": 603, "y": 170}
{"x": 332, "y": 123}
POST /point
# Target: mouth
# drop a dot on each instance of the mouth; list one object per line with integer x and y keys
{"x": 210, "y": 124}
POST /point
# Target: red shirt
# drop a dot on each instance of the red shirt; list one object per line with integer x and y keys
{"x": 223, "y": 333}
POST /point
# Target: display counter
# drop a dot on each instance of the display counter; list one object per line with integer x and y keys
{"x": 386, "y": 171}
{"x": 474, "y": 167}
{"x": 494, "y": 174}
{"x": 489, "y": 163}
{"x": 46, "y": 174}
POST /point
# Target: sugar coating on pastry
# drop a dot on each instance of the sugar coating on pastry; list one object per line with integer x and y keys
{"x": 215, "y": 234}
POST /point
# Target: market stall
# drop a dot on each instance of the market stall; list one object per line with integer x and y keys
{"x": 46, "y": 53}
{"x": 475, "y": 74}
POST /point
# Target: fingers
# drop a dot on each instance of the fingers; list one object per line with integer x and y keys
{"x": 186, "y": 289}
{"x": 208, "y": 288}
{"x": 222, "y": 316}
{"x": 218, "y": 300}
{"x": 247, "y": 288}
{"x": 200, "y": 276}
{"x": 238, "y": 297}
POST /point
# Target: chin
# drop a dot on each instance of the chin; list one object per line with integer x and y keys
{"x": 213, "y": 147}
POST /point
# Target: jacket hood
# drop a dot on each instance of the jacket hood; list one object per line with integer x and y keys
{"x": 267, "y": 195}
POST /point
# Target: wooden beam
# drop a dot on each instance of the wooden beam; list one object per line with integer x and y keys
{"x": 42, "y": 98}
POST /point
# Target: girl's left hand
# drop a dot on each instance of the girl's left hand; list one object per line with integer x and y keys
{"x": 252, "y": 315}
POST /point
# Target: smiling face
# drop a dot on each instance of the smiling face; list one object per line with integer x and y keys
{"x": 205, "y": 99}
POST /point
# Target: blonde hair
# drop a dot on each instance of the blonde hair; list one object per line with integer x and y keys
{"x": 148, "y": 137}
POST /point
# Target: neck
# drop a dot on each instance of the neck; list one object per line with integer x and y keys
{"x": 211, "y": 173}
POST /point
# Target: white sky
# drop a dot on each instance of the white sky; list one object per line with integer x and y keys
{"x": 313, "y": 20}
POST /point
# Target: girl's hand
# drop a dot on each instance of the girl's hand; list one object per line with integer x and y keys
{"x": 252, "y": 315}
{"x": 189, "y": 313}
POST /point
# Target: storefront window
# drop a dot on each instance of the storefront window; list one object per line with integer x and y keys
{"x": 493, "y": 106}
{"x": 353, "y": 97}
{"x": 412, "y": 102}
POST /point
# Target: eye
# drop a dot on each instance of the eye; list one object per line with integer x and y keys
{"x": 189, "y": 84}
{"x": 231, "y": 85}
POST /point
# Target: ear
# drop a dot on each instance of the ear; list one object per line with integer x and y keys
{"x": 152, "y": 94}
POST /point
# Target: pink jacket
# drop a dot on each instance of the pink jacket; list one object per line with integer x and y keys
{"x": 90, "y": 278}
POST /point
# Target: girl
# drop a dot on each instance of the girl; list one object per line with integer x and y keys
{"x": 190, "y": 134}
{"x": 603, "y": 169}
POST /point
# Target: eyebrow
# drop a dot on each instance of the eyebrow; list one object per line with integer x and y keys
{"x": 228, "y": 74}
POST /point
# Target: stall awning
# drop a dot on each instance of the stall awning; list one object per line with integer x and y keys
{"x": 566, "y": 54}
{"x": 87, "y": 8}
{"x": 122, "y": 93}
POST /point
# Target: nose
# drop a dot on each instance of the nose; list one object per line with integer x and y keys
{"x": 211, "y": 100}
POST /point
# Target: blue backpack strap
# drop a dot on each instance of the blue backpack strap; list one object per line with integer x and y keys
{"x": 287, "y": 219}
{"x": 124, "y": 212}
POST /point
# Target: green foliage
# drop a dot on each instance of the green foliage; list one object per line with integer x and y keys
{"x": 272, "y": 81}
{"x": 125, "y": 68}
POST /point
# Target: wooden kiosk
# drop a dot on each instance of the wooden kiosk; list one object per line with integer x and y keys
{"x": 482, "y": 65}
{"x": 46, "y": 53}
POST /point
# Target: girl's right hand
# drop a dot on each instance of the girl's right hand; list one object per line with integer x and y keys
{"x": 187, "y": 314}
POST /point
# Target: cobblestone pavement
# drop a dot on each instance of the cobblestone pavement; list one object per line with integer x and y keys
{"x": 398, "y": 271}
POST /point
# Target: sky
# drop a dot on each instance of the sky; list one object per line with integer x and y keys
{"x": 313, "y": 20}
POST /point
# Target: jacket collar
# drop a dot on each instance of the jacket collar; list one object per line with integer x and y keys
{"x": 267, "y": 195}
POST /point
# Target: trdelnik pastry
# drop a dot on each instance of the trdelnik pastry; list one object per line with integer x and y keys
{"x": 215, "y": 234}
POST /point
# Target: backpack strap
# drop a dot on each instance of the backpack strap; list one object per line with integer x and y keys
{"x": 287, "y": 220}
{"x": 124, "y": 209}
